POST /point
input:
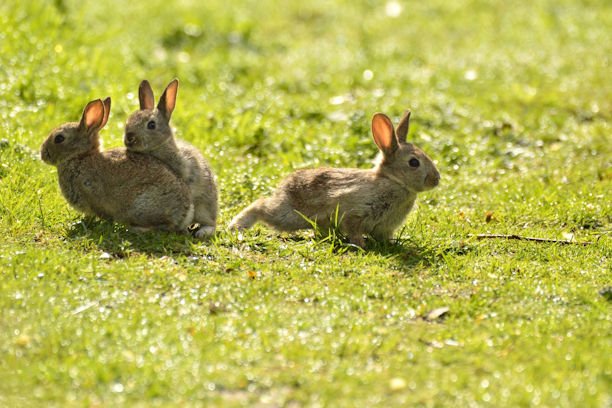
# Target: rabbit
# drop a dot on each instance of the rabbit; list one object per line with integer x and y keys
{"x": 148, "y": 131}
{"x": 117, "y": 185}
{"x": 373, "y": 202}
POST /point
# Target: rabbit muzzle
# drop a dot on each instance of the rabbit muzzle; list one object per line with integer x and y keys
{"x": 45, "y": 155}
{"x": 130, "y": 139}
{"x": 432, "y": 180}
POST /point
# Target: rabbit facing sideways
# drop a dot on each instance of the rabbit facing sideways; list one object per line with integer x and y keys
{"x": 370, "y": 202}
{"x": 134, "y": 189}
{"x": 148, "y": 131}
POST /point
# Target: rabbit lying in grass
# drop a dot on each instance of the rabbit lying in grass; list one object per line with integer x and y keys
{"x": 131, "y": 188}
{"x": 148, "y": 131}
{"x": 373, "y": 202}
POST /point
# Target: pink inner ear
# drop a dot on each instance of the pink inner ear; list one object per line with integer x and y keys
{"x": 145, "y": 95}
{"x": 168, "y": 99}
{"x": 94, "y": 114}
{"x": 383, "y": 132}
{"x": 171, "y": 98}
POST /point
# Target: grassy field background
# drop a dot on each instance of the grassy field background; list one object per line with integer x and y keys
{"x": 513, "y": 102}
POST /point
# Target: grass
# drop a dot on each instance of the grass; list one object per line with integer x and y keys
{"x": 513, "y": 102}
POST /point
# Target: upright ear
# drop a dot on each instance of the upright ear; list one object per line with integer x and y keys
{"x": 402, "y": 128}
{"x": 107, "y": 107}
{"x": 145, "y": 95}
{"x": 168, "y": 99}
{"x": 384, "y": 135}
{"x": 93, "y": 116}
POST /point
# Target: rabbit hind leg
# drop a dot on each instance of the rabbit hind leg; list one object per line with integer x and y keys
{"x": 272, "y": 211}
{"x": 248, "y": 216}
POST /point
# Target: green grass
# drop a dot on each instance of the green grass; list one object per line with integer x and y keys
{"x": 513, "y": 102}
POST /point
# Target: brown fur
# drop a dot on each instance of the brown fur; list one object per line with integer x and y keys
{"x": 126, "y": 187}
{"x": 373, "y": 202}
{"x": 181, "y": 157}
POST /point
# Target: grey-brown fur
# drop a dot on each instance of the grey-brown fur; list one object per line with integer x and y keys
{"x": 117, "y": 185}
{"x": 373, "y": 202}
{"x": 184, "y": 159}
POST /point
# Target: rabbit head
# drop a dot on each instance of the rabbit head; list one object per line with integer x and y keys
{"x": 402, "y": 161}
{"x": 149, "y": 128}
{"x": 77, "y": 138}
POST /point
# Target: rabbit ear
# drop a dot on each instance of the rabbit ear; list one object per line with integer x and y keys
{"x": 168, "y": 99}
{"x": 107, "y": 107}
{"x": 402, "y": 128}
{"x": 93, "y": 116}
{"x": 384, "y": 135}
{"x": 145, "y": 95}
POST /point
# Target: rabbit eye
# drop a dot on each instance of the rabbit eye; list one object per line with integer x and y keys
{"x": 151, "y": 124}
{"x": 414, "y": 162}
{"x": 59, "y": 138}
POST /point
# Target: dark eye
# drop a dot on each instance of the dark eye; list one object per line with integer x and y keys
{"x": 59, "y": 138}
{"x": 414, "y": 162}
{"x": 151, "y": 124}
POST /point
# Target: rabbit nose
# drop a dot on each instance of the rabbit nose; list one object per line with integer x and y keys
{"x": 130, "y": 138}
{"x": 45, "y": 156}
{"x": 433, "y": 179}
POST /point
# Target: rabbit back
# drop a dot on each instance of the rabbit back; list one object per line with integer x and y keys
{"x": 127, "y": 187}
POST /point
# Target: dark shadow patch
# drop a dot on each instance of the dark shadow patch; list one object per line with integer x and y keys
{"x": 405, "y": 252}
{"x": 119, "y": 242}
{"x": 409, "y": 253}
{"x": 606, "y": 293}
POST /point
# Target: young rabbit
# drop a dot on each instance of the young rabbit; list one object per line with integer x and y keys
{"x": 148, "y": 131}
{"x": 373, "y": 202}
{"x": 134, "y": 189}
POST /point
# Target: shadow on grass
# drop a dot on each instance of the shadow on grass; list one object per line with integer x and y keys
{"x": 410, "y": 254}
{"x": 119, "y": 242}
{"x": 406, "y": 253}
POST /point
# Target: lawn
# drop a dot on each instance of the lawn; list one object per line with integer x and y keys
{"x": 513, "y": 101}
